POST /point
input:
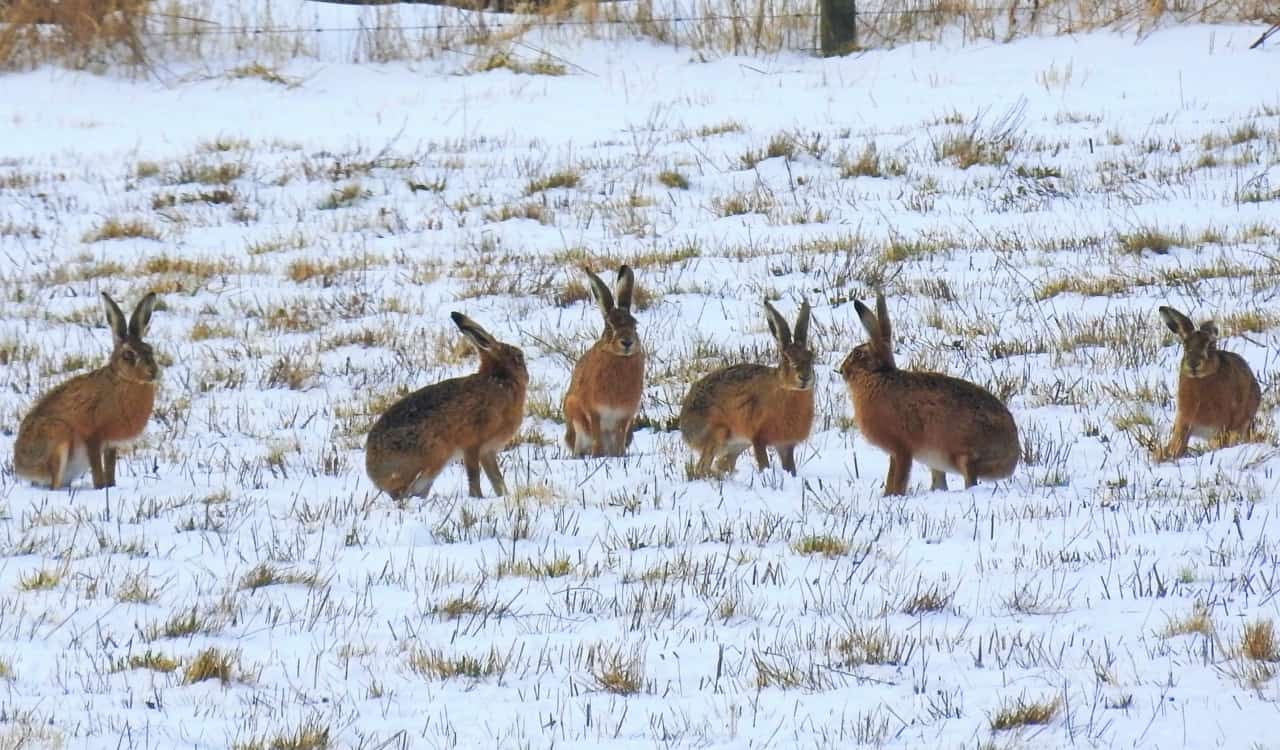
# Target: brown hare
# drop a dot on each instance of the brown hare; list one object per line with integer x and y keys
{"x": 1216, "y": 390}
{"x": 472, "y": 417}
{"x": 83, "y": 422}
{"x": 947, "y": 424}
{"x": 754, "y": 406}
{"x": 605, "y": 389}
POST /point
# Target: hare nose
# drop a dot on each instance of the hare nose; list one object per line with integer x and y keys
{"x": 626, "y": 343}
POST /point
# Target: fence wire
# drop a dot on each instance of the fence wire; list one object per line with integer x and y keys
{"x": 521, "y": 21}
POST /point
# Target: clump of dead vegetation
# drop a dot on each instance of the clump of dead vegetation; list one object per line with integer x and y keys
{"x": 78, "y": 33}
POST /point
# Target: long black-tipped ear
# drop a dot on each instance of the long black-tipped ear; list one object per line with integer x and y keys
{"x": 141, "y": 317}
{"x": 114, "y": 317}
{"x": 600, "y": 290}
{"x": 777, "y": 325}
{"x": 474, "y": 333}
{"x": 802, "y": 324}
{"x": 870, "y": 323}
{"x": 625, "y": 285}
{"x": 882, "y": 314}
{"x": 1177, "y": 322}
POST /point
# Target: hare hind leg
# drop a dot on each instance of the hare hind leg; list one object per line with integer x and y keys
{"x": 57, "y": 464}
{"x": 577, "y": 428}
{"x": 711, "y": 443}
{"x": 581, "y": 445}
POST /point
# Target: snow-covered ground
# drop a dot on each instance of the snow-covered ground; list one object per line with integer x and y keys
{"x": 1026, "y": 206}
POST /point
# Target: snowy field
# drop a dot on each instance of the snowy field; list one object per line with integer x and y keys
{"x": 1026, "y": 207}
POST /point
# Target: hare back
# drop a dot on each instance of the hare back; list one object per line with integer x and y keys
{"x": 472, "y": 412}
{"x": 745, "y": 400}
{"x": 95, "y": 406}
{"x": 32, "y": 454}
{"x": 937, "y": 417}
{"x": 602, "y": 379}
{"x": 1228, "y": 399}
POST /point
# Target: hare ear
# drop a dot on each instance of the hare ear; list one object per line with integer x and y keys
{"x": 869, "y": 320}
{"x": 1210, "y": 328}
{"x": 604, "y": 298}
{"x": 141, "y": 317}
{"x": 882, "y": 314}
{"x": 777, "y": 325}
{"x": 802, "y": 325}
{"x": 625, "y": 285}
{"x": 114, "y": 317}
{"x": 474, "y": 333}
{"x": 1177, "y": 322}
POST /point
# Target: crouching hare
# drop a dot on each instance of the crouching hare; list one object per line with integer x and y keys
{"x": 754, "y": 406}
{"x": 471, "y": 417}
{"x": 950, "y": 425}
{"x": 83, "y": 422}
{"x": 607, "y": 382}
{"x": 1216, "y": 390}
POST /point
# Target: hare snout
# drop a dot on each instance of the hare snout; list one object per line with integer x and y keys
{"x": 625, "y": 347}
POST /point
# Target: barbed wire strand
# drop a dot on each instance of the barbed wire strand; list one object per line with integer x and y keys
{"x": 528, "y": 21}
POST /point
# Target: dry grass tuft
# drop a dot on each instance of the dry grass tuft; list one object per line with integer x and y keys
{"x": 615, "y": 672}
{"x": 263, "y": 73}
{"x": 149, "y": 660}
{"x": 212, "y": 664}
{"x": 673, "y": 179}
{"x": 564, "y": 178}
{"x": 1023, "y": 713}
{"x": 1198, "y": 621}
{"x": 821, "y": 544}
{"x": 1146, "y": 239}
{"x": 76, "y": 33}
{"x": 1258, "y": 642}
{"x": 437, "y": 665}
{"x": 41, "y": 580}
{"x": 874, "y": 646}
{"x": 545, "y": 65}
{"x": 311, "y": 735}
{"x": 121, "y": 229}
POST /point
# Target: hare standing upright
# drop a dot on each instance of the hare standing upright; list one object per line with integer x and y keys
{"x": 604, "y": 392}
{"x": 754, "y": 406}
{"x": 83, "y": 422}
{"x": 947, "y": 424}
{"x": 472, "y": 417}
{"x": 1216, "y": 390}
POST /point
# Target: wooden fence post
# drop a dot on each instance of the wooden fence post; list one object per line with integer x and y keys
{"x": 838, "y": 26}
